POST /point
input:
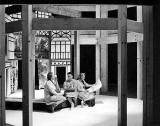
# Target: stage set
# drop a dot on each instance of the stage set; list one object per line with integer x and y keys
{"x": 109, "y": 43}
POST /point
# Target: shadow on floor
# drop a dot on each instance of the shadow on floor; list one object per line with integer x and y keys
{"x": 9, "y": 124}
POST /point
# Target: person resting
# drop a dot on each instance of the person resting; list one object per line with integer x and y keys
{"x": 51, "y": 91}
{"x": 83, "y": 94}
{"x": 70, "y": 90}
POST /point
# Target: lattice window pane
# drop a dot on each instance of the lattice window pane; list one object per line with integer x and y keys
{"x": 57, "y": 48}
{"x": 63, "y": 48}
{"x": 67, "y": 48}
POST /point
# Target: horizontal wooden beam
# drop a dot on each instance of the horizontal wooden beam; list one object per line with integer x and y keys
{"x": 57, "y": 10}
{"x": 134, "y": 26}
{"x": 14, "y": 26}
{"x": 76, "y": 2}
{"x": 91, "y": 7}
{"x": 75, "y": 24}
{"x": 131, "y": 37}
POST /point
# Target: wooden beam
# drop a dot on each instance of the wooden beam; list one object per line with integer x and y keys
{"x": 33, "y": 60}
{"x": 27, "y": 82}
{"x": 139, "y": 58}
{"x": 57, "y": 10}
{"x": 66, "y": 2}
{"x": 147, "y": 12}
{"x": 156, "y": 65}
{"x": 75, "y": 24}
{"x": 2, "y": 66}
{"x": 134, "y": 26}
{"x": 139, "y": 69}
{"x": 98, "y": 34}
{"x": 84, "y": 24}
{"x": 15, "y": 26}
{"x": 76, "y": 54}
{"x": 104, "y": 52}
{"x": 91, "y": 7}
{"x": 131, "y": 37}
{"x": 122, "y": 65}
{"x": 151, "y": 51}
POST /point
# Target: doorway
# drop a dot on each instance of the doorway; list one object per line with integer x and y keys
{"x": 61, "y": 75}
{"x": 131, "y": 69}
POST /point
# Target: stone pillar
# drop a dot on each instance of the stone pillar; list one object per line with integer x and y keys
{"x": 76, "y": 54}
{"x": 139, "y": 57}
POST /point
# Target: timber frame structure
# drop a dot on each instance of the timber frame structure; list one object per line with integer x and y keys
{"x": 151, "y": 56}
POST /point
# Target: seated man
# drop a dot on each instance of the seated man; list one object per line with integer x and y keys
{"x": 51, "y": 91}
{"x": 70, "y": 88}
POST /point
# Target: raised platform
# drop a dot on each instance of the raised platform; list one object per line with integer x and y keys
{"x": 14, "y": 101}
{"x": 104, "y": 113}
{"x": 16, "y": 104}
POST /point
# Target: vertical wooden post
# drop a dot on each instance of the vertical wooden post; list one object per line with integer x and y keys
{"x": 156, "y": 65}
{"x": 139, "y": 69}
{"x": 76, "y": 54}
{"x": 147, "y": 64}
{"x": 27, "y": 64}
{"x": 33, "y": 63}
{"x": 2, "y": 66}
{"x": 33, "y": 58}
{"x": 98, "y": 34}
{"x": 151, "y": 69}
{"x": 139, "y": 57}
{"x": 49, "y": 45}
{"x": 104, "y": 54}
{"x": 122, "y": 65}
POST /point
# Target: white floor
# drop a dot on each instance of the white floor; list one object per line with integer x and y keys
{"x": 104, "y": 113}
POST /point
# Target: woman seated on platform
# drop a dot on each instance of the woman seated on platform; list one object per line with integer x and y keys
{"x": 70, "y": 88}
{"x": 81, "y": 78}
{"x": 52, "y": 91}
{"x": 83, "y": 94}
